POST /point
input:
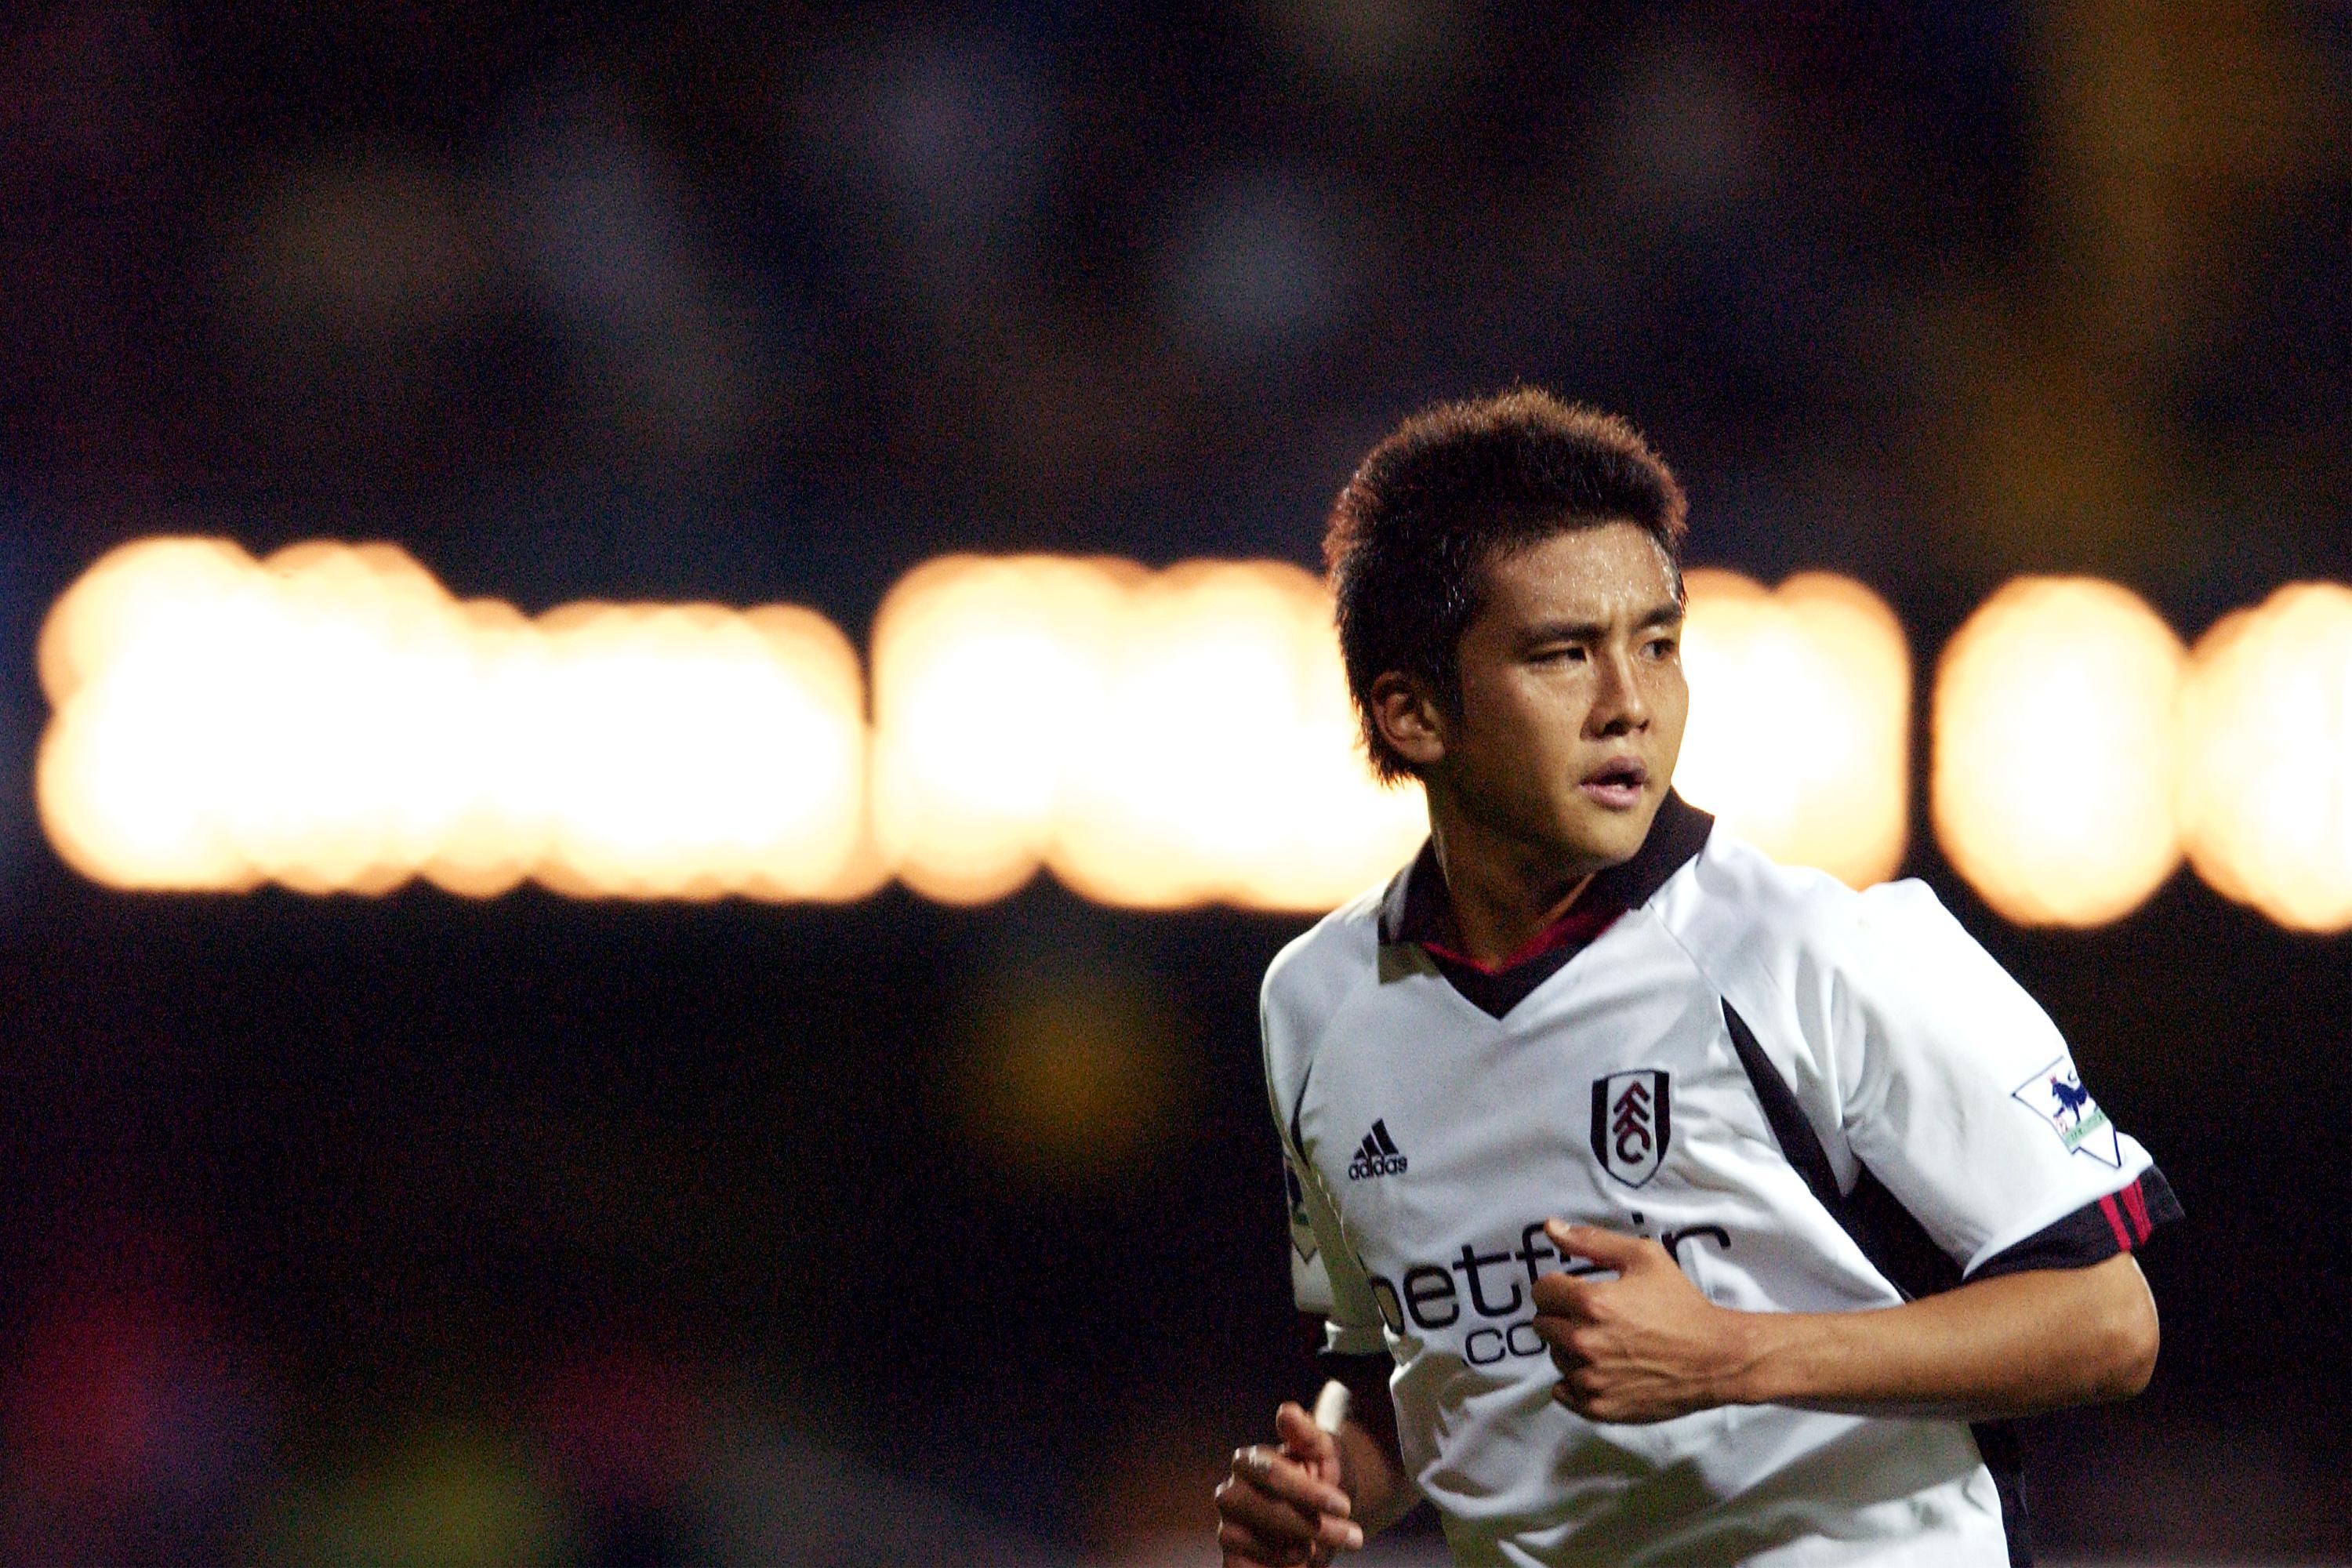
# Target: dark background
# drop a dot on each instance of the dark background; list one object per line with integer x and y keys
{"x": 414, "y": 1229}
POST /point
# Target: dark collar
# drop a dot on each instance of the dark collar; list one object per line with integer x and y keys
{"x": 1419, "y": 910}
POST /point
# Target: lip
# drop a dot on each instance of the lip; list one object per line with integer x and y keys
{"x": 1617, "y": 784}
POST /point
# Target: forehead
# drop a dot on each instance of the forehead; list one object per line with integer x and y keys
{"x": 1597, "y": 574}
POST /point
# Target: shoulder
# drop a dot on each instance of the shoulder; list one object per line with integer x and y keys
{"x": 1734, "y": 904}
{"x": 1747, "y": 920}
{"x": 1312, "y": 978}
{"x": 1317, "y": 969}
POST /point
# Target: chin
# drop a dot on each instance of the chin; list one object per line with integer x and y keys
{"x": 1608, "y": 837}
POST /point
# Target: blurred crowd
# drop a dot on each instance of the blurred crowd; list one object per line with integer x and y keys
{"x": 351, "y": 1231}
{"x": 1921, "y": 289}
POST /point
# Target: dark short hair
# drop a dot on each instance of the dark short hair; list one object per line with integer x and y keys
{"x": 1450, "y": 490}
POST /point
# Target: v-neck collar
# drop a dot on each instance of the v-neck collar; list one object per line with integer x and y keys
{"x": 1418, "y": 907}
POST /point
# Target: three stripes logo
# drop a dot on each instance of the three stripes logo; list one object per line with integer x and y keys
{"x": 1378, "y": 1155}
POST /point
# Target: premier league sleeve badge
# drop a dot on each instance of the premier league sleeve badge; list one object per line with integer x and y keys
{"x": 2055, "y": 1093}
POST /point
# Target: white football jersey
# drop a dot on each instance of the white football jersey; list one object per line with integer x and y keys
{"x": 1786, "y": 1082}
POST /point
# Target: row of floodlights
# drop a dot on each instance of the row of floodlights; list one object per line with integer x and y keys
{"x": 332, "y": 719}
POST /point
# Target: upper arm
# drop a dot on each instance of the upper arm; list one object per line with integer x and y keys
{"x": 1958, "y": 1093}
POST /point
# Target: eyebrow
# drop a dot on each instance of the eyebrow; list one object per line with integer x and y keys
{"x": 1668, "y": 614}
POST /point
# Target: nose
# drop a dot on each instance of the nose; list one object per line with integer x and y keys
{"x": 1619, "y": 705}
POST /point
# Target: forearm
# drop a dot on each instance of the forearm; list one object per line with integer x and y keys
{"x": 2010, "y": 1346}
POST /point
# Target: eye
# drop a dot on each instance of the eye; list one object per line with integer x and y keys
{"x": 1663, "y": 646}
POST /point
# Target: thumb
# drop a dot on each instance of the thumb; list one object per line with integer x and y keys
{"x": 1301, "y": 1438}
{"x": 1606, "y": 1247}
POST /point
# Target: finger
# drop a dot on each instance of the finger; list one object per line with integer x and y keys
{"x": 1278, "y": 1521}
{"x": 1580, "y": 1391}
{"x": 1607, "y": 1248}
{"x": 1613, "y": 1409}
{"x": 1240, "y": 1543}
{"x": 1287, "y": 1479}
{"x": 1302, "y": 1440}
{"x": 1265, "y": 1486}
{"x": 1559, "y": 1337}
{"x": 1284, "y": 1483}
{"x": 1561, "y": 1296}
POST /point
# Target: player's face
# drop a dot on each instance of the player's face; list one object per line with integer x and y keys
{"x": 1572, "y": 697}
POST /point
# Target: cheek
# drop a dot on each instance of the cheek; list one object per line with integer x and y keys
{"x": 1538, "y": 716}
{"x": 1512, "y": 724}
{"x": 1670, "y": 707}
{"x": 1673, "y": 695}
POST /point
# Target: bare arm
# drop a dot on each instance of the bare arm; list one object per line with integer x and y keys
{"x": 1647, "y": 1346}
{"x": 2016, "y": 1345}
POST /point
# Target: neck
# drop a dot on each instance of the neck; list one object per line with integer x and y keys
{"x": 1504, "y": 891}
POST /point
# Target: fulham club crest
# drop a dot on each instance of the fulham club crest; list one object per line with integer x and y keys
{"x": 1629, "y": 1125}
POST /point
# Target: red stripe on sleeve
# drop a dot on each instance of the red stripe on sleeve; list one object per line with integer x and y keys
{"x": 2116, "y": 1223}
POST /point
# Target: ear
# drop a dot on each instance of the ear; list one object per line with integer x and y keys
{"x": 1409, "y": 720}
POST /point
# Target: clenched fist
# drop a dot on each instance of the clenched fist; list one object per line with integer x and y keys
{"x": 1283, "y": 1506}
{"x": 1645, "y": 1346}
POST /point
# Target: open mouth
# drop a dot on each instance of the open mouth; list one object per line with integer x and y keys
{"x": 1617, "y": 783}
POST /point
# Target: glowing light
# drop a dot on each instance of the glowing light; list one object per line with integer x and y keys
{"x": 989, "y": 676}
{"x": 1799, "y": 726}
{"x": 1156, "y": 739}
{"x": 2266, "y": 781}
{"x": 1072, "y": 1072}
{"x": 332, "y": 720}
{"x": 1223, "y": 766}
{"x": 2052, "y": 786}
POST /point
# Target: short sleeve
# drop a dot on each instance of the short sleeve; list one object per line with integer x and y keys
{"x": 1316, "y": 1285}
{"x": 1325, "y": 1277}
{"x": 1958, "y": 1093}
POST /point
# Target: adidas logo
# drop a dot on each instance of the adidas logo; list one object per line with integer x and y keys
{"x": 1379, "y": 1155}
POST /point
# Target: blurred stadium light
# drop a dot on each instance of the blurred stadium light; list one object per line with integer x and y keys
{"x": 2051, "y": 788}
{"x": 1172, "y": 738}
{"x": 1224, "y": 765}
{"x": 1800, "y": 718}
{"x": 2266, "y": 798}
{"x": 332, "y": 720}
{"x": 987, "y": 675}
